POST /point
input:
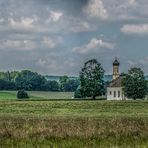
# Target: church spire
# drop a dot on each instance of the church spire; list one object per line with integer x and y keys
{"x": 116, "y": 65}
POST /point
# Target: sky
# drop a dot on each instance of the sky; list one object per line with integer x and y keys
{"x": 56, "y": 37}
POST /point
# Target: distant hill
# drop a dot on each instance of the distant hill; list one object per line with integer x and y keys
{"x": 56, "y": 78}
{"x": 107, "y": 78}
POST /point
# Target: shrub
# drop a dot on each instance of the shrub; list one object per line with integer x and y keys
{"x": 22, "y": 94}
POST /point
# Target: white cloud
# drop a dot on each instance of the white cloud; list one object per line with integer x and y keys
{"x": 93, "y": 45}
{"x": 22, "y": 23}
{"x": 138, "y": 29}
{"x": 55, "y": 16}
{"x": 112, "y": 10}
{"x": 21, "y": 44}
{"x": 51, "y": 42}
{"x": 127, "y": 4}
{"x": 58, "y": 22}
{"x": 95, "y": 9}
{"x": 132, "y": 3}
{"x": 17, "y": 45}
{"x": 127, "y": 9}
{"x": 69, "y": 23}
{"x": 48, "y": 42}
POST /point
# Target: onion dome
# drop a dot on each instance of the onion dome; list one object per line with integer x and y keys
{"x": 116, "y": 63}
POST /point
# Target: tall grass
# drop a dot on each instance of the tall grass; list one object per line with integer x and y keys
{"x": 73, "y": 124}
{"x": 74, "y": 131}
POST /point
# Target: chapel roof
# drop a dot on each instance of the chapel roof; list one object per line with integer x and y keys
{"x": 116, "y": 83}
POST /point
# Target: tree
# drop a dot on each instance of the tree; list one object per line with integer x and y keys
{"x": 23, "y": 80}
{"x": 37, "y": 82}
{"x": 71, "y": 85}
{"x": 78, "y": 93}
{"x": 134, "y": 84}
{"x": 52, "y": 86}
{"x": 7, "y": 85}
{"x": 63, "y": 80}
{"x": 30, "y": 80}
{"x": 91, "y": 79}
{"x": 8, "y": 76}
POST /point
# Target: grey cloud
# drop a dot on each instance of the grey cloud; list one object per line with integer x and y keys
{"x": 117, "y": 9}
{"x": 40, "y": 34}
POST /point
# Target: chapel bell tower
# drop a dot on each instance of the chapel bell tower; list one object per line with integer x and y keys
{"x": 116, "y": 65}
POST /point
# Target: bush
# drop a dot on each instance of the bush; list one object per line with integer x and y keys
{"x": 22, "y": 94}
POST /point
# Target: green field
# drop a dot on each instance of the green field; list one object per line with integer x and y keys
{"x": 11, "y": 95}
{"x": 71, "y": 123}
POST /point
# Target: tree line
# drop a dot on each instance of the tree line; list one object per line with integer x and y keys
{"x": 32, "y": 81}
{"x": 89, "y": 84}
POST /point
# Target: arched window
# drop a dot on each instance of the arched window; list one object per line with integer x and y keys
{"x": 118, "y": 94}
{"x": 114, "y": 94}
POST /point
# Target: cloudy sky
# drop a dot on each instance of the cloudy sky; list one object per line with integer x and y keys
{"x": 56, "y": 37}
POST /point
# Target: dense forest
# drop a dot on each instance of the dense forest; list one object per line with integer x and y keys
{"x": 32, "y": 81}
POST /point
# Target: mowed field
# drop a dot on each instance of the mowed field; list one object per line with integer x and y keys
{"x": 44, "y": 122}
{"x": 12, "y": 95}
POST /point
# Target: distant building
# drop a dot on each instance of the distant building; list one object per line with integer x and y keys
{"x": 114, "y": 89}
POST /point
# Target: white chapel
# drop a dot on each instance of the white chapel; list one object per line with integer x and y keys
{"x": 114, "y": 89}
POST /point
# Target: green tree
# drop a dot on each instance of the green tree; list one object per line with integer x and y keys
{"x": 91, "y": 79}
{"x": 71, "y": 85}
{"x": 30, "y": 80}
{"x": 78, "y": 93}
{"x": 134, "y": 84}
{"x": 63, "y": 80}
{"x": 37, "y": 82}
{"x": 52, "y": 86}
{"x": 7, "y": 85}
{"x": 8, "y": 76}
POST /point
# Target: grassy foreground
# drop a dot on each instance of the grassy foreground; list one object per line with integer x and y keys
{"x": 73, "y": 124}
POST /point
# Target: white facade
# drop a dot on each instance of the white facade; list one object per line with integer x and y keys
{"x": 115, "y": 93}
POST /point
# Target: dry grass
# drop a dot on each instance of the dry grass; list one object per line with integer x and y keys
{"x": 74, "y": 132}
{"x": 24, "y": 127}
{"x": 73, "y": 124}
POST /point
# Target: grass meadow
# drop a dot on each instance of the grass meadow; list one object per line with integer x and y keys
{"x": 11, "y": 95}
{"x": 45, "y": 122}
